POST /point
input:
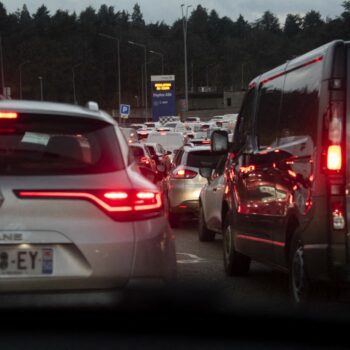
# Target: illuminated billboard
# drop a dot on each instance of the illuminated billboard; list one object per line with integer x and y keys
{"x": 163, "y": 96}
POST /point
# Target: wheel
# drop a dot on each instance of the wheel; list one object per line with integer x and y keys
{"x": 300, "y": 287}
{"x": 204, "y": 234}
{"x": 173, "y": 220}
{"x": 235, "y": 263}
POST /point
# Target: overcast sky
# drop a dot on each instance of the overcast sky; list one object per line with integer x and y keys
{"x": 169, "y": 10}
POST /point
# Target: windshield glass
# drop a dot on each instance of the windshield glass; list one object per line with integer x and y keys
{"x": 202, "y": 159}
{"x": 38, "y": 146}
{"x": 168, "y": 141}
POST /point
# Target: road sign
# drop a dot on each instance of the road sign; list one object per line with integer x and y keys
{"x": 163, "y": 96}
{"x": 124, "y": 111}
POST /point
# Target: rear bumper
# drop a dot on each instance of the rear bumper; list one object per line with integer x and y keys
{"x": 187, "y": 207}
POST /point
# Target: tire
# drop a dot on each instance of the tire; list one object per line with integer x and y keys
{"x": 204, "y": 234}
{"x": 300, "y": 287}
{"x": 235, "y": 263}
{"x": 173, "y": 220}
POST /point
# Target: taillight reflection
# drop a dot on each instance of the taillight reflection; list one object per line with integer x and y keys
{"x": 334, "y": 157}
{"x": 184, "y": 174}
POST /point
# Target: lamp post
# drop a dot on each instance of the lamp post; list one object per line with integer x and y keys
{"x": 41, "y": 88}
{"x": 161, "y": 56}
{"x": 2, "y": 68}
{"x": 20, "y": 78}
{"x": 145, "y": 82}
{"x": 118, "y": 55}
{"x": 184, "y": 25}
{"x": 73, "y": 82}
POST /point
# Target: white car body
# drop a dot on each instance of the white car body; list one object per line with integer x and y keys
{"x": 75, "y": 221}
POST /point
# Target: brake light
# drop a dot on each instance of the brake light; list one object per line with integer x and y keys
{"x": 184, "y": 174}
{"x": 334, "y": 157}
{"x": 130, "y": 205}
{"x": 8, "y": 115}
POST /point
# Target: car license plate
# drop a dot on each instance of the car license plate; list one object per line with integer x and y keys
{"x": 17, "y": 260}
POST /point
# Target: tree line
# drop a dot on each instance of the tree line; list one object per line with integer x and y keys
{"x": 222, "y": 52}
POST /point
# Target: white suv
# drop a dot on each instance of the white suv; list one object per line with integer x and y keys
{"x": 76, "y": 214}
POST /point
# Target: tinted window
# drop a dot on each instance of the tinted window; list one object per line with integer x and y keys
{"x": 300, "y": 102}
{"x": 137, "y": 151}
{"x": 202, "y": 159}
{"x": 245, "y": 120}
{"x": 42, "y": 145}
{"x": 151, "y": 150}
{"x": 268, "y": 111}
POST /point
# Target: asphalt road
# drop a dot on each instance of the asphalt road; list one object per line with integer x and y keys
{"x": 201, "y": 263}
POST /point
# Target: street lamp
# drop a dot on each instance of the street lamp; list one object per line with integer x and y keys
{"x": 2, "y": 68}
{"x": 118, "y": 55}
{"x": 73, "y": 81}
{"x": 41, "y": 88}
{"x": 161, "y": 56}
{"x": 20, "y": 78}
{"x": 145, "y": 82}
{"x": 184, "y": 25}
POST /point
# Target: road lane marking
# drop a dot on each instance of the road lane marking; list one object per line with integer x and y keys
{"x": 187, "y": 258}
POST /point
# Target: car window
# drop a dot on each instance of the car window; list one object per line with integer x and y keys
{"x": 137, "y": 151}
{"x": 151, "y": 150}
{"x": 42, "y": 146}
{"x": 269, "y": 103}
{"x": 201, "y": 159}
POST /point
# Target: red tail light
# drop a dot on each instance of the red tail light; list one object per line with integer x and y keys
{"x": 127, "y": 205}
{"x": 145, "y": 160}
{"x": 334, "y": 157}
{"x": 184, "y": 174}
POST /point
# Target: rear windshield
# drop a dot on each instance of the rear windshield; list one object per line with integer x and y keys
{"x": 137, "y": 151}
{"x": 151, "y": 150}
{"x": 202, "y": 159}
{"x": 167, "y": 140}
{"x": 50, "y": 145}
{"x": 171, "y": 125}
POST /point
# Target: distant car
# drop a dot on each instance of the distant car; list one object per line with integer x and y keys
{"x": 130, "y": 135}
{"x": 210, "y": 203}
{"x": 160, "y": 155}
{"x": 184, "y": 182}
{"x": 171, "y": 141}
{"x": 175, "y": 126}
{"x": 192, "y": 120}
{"x": 143, "y": 157}
{"x": 138, "y": 126}
{"x": 153, "y": 125}
{"x": 78, "y": 216}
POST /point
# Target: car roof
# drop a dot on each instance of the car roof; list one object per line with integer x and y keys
{"x": 196, "y": 148}
{"x": 54, "y": 109}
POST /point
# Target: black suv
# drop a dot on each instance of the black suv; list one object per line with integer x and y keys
{"x": 287, "y": 199}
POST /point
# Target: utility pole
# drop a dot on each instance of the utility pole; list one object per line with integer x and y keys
{"x": 184, "y": 25}
{"x": 2, "y": 69}
{"x": 118, "y": 64}
{"x": 146, "y": 95}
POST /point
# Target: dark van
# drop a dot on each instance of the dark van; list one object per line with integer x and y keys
{"x": 287, "y": 198}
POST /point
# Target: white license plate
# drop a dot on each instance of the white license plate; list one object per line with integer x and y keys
{"x": 18, "y": 260}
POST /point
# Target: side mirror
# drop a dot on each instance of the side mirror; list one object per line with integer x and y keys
{"x": 219, "y": 142}
{"x": 149, "y": 174}
{"x": 206, "y": 173}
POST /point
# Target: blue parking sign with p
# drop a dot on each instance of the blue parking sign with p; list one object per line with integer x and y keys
{"x": 124, "y": 110}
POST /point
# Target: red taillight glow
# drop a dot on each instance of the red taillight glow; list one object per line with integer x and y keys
{"x": 116, "y": 195}
{"x": 334, "y": 157}
{"x": 120, "y": 205}
{"x": 184, "y": 174}
{"x": 8, "y": 115}
{"x": 145, "y": 160}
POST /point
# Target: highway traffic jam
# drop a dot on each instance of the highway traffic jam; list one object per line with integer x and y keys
{"x": 89, "y": 205}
